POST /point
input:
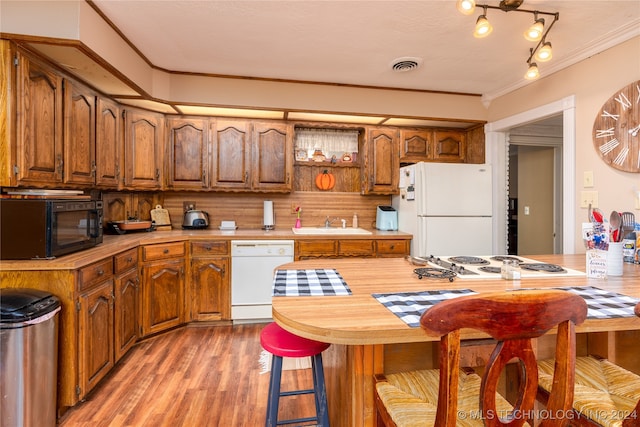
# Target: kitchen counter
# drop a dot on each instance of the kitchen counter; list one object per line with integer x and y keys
{"x": 114, "y": 244}
{"x": 367, "y": 338}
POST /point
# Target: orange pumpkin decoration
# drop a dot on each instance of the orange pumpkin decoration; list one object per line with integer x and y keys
{"x": 325, "y": 180}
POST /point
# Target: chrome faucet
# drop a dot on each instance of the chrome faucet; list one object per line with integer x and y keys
{"x": 328, "y": 221}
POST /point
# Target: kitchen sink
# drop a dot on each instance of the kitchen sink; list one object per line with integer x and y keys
{"x": 329, "y": 231}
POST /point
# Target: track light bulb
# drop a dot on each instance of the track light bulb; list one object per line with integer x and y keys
{"x": 466, "y": 7}
{"x": 483, "y": 27}
{"x": 533, "y": 72}
{"x": 534, "y": 32}
{"x": 544, "y": 53}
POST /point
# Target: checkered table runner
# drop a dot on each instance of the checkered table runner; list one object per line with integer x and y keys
{"x": 603, "y": 304}
{"x": 409, "y": 306}
{"x": 320, "y": 282}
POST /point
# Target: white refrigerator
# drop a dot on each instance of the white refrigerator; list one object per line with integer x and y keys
{"x": 447, "y": 207}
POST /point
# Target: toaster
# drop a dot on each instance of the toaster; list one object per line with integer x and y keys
{"x": 386, "y": 218}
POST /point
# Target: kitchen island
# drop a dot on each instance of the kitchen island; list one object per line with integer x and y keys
{"x": 367, "y": 338}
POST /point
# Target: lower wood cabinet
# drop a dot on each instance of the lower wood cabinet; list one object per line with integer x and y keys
{"x": 95, "y": 335}
{"x": 163, "y": 287}
{"x": 210, "y": 288}
{"x": 342, "y": 248}
{"x": 126, "y": 290}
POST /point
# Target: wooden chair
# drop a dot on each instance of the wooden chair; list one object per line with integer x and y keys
{"x": 513, "y": 319}
{"x": 606, "y": 395}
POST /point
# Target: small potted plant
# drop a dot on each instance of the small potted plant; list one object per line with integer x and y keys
{"x": 298, "y": 222}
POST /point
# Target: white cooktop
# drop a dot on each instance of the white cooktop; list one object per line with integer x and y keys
{"x": 488, "y": 267}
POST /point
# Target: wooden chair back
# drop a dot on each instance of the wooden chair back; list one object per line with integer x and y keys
{"x": 513, "y": 319}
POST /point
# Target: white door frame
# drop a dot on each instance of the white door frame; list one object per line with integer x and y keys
{"x": 496, "y": 134}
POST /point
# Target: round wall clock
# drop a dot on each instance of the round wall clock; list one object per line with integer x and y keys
{"x": 616, "y": 129}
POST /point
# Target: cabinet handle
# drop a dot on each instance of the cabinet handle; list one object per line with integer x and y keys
{"x": 392, "y": 247}
{"x": 129, "y": 259}
{"x": 208, "y": 248}
{"x": 246, "y": 177}
{"x": 100, "y": 272}
{"x": 166, "y": 251}
{"x": 157, "y": 173}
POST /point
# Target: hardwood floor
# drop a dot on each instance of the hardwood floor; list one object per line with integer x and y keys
{"x": 193, "y": 376}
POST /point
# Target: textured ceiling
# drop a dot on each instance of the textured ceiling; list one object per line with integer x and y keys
{"x": 355, "y": 42}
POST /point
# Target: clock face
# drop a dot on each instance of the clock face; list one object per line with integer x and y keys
{"x": 616, "y": 129}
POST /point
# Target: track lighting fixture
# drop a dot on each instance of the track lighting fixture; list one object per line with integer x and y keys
{"x": 537, "y": 32}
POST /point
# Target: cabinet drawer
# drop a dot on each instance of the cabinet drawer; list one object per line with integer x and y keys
{"x": 95, "y": 273}
{"x": 215, "y": 247}
{"x": 356, "y": 248}
{"x": 162, "y": 251}
{"x": 317, "y": 247}
{"x": 125, "y": 261}
{"x": 392, "y": 247}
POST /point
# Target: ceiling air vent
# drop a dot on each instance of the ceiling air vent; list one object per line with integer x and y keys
{"x": 401, "y": 65}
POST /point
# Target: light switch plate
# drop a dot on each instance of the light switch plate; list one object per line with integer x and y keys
{"x": 588, "y": 198}
{"x": 588, "y": 179}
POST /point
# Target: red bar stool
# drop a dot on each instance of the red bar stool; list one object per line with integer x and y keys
{"x": 281, "y": 343}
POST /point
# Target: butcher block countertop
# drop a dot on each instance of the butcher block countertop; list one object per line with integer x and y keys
{"x": 114, "y": 244}
{"x": 360, "y": 319}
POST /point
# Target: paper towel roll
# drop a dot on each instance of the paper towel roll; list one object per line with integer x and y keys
{"x": 268, "y": 213}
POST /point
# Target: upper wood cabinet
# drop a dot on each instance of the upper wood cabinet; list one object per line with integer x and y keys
{"x": 187, "y": 156}
{"x": 109, "y": 144}
{"x": 231, "y": 154}
{"x": 272, "y": 163}
{"x": 449, "y": 146}
{"x": 79, "y": 134}
{"x": 143, "y": 150}
{"x": 416, "y": 145}
{"x": 38, "y": 149}
{"x": 381, "y": 167}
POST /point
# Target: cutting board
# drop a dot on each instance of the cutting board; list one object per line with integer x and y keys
{"x": 160, "y": 216}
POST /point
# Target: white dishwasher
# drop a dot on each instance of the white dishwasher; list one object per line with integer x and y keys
{"x": 252, "y": 265}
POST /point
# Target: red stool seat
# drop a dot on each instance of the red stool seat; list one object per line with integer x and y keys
{"x": 282, "y": 343}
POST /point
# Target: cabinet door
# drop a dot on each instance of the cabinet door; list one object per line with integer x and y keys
{"x": 108, "y": 143}
{"x": 162, "y": 296}
{"x": 210, "y": 291}
{"x": 449, "y": 146}
{"x": 230, "y": 155}
{"x": 381, "y": 164}
{"x": 143, "y": 160}
{"x": 79, "y": 134}
{"x": 95, "y": 335}
{"x": 125, "y": 312}
{"x": 187, "y": 152}
{"x": 39, "y": 124}
{"x": 272, "y": 157}
{"x": 415, "y": 145}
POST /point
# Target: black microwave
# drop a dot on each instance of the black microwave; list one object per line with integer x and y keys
{"x": 46, "y": 228}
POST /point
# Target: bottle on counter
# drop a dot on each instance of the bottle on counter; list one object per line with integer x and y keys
{"x": 355, "y": 221}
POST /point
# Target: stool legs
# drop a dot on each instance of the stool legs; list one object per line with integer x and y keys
{"x": 319, "y": 391}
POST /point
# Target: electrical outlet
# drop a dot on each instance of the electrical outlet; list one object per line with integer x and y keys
{"x": 187, "y": 206}
{"x": 588, "y": 179}
{"x": 588, "y": 198}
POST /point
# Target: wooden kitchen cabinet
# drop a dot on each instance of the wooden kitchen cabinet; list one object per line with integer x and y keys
{"x": 79, "y": 134}
{"x": 342, "y": 248}
{"x": 163, "y": 284}
{"x": 449, "y": 146}
{"x": 143, "y": 136}
{"x": 231, "y": 154}
{"x": 415, "y": 145}
{"x": 187, "y": 155}
{"x": 38, "y": 142}
{"x": 272, "y": 157}
{"x": 120, "y": 206}
{"x": 95, "y": 331}
{"x": 210, "y": 290}
{"x": 109, "y": 144}
{"x": 381, "y": 167}
{"x": 126, "y": 290}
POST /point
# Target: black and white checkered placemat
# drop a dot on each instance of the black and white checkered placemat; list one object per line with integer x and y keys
{"x": 602, "y": 304}
{"x": 320, "y": 282}
{"x": 409, "y": 306}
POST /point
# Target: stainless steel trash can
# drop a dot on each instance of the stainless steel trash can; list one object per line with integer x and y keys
{"x": 28, "y": 357}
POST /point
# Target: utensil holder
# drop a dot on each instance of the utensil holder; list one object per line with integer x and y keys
{"x": 614, "y": 259}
